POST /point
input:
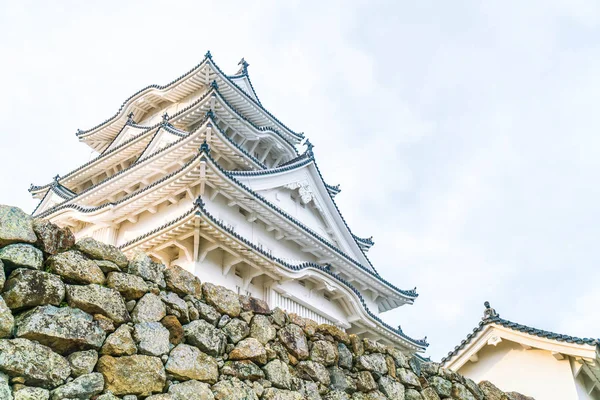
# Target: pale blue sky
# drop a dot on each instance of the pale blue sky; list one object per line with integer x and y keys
{"x": 464, "y": 134}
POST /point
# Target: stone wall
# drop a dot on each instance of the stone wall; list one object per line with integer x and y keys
{"x": 81, "y": 321}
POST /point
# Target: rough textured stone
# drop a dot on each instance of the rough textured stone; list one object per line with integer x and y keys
{"x": 255, "y": 305}
{"x": 294, "y": 340}
{"x": 182, "y": 282}
{"x": 137, "y": 374}
{"x": 244, "y": 370}
{"x": 335, "y": 332}
{"x": 141, "y": 265}
{"x": 32, "y": 393}
{"x": 152, "y": 338}
{"x": 341, "y": 381}
{"x": 408, "y": 377}
{"x": 206, "y": 337}
{"x": 187, "y": 362}
{"x": 175, "y": 306}
{"x": 491, "y": 392}
{"x": 107, "y": 266}
{"x": 191, "y": 390}
{"x": 52, "y": 239}
{"x": 29, "y": 288}
{"x": 149, "y": 309}
{"x": 278, "y": 373}
{"x": 15, "y": 226}
{"x": 105, "y": 323}
{"x": 2, "y": 275}
{"x": 101, "y": 251}
{"x": 441, "y": 386}
{"x": 223, "y": 300}
{"x": 372, "y": 362}
{"x": 131, "y": 287}
{"x": 176, "y": 333}
{"x": 344, "y": 356}
{"x": 5, "y": 392}
{"x": 236, "y": 330}
{"x": 233, "y": 389}
{"x": 206, "y": 312}
{"x": 21, "y": 255}
{"x": 279, "y": 394}
{"x": 324, "y": 352}
{"x": 365, "y": 381}
{"x": 37, "y": 364}
{"x": 460, "y": 392}
{"x": 82, "y": 362}
{"x": 74, "y": 267}
{"x": 261, "y": 329}
{"x": 474, "y": 389}
{"x": 430, "y": 394}
{"x": 63, "y": 329}
{"x": 392, "y": 389}
{"x": 7, "y": 321}
{"x": 313, "y": 371}
{"x": 96, "y": 299}
{"x": 249, "y": 349}
{"x": 119, "y": 343}
{"x": 412, "y": 394}
{"x": 82, "y": 387}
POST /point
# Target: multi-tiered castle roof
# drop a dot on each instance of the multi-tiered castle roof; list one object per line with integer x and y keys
{"x": 199, "y": 174}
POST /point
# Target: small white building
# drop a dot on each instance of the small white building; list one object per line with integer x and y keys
{"x": 197, "y": 173}
{"x": 537, "y": 363}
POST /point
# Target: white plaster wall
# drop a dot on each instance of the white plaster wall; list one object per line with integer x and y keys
{"x": 533, "y": 372}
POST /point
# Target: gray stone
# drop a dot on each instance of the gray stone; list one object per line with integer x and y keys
{"x": 441, "y": 386}
{"x": 233, "y": 389}
{"x": 255, "y": 305}
{"x": 430, "y": 394}
{"x": 163, "y": 396}
{"x": 31, "y": 393}
{"x": 15, "y": 226}
{"x": 313, "y": 371}
{"x": 474, "y": 389}
{"x": 191, "y": 390}
{"x": 138, "y": 374}
{"x": 340, "y": 381}
{"x": 149, "y": 309}
{"x": 7, "y": 321}
{"x": 294, "y": 340}
{"x": 491, "y": 392}
{"x": 5, "y": 392}
{"x": 182, "y": 282}
{"x": 408, "y": 377}
{"x": 37, "y": 364}
{"x": 82, "y": 362}
{"x": 206, "y": 312}
{"x": 131, "y": 287}
{"x": 400, "y": 358}
{"x": 223, "y": 300}
{"x": 102, "y": 251}
{"x": 261, "y": 329}
{"x": 392, "y": 389}
{"x": 52, "y": 239}
{"x": 279, "y": 394}
{"x": 152, "y": 338}
{"x": 29, "y": 288}
{"x": 2, "y": 275}
{"x": 236, "y": 330}
{"x": 336, "y": 395}
{"x": 74, "y": 267}
{"x": 107, "y": 266}
{"x": 21, "y": 255}
{"x": 175, "y": 306}
{"x": 344, "y": 356}
{"x": 460, "y": 392}
{"x": 141, "y": 265}
{"x": 412, "y": 394}
{"x": 278, "y": 373}
{"x": 324, "y": 352}
{"x": 249, "y": 349}
{"x": 96, "y": 299}
{"x": 365, "y": 382}
{"x": 206, "y": 337}
{"x": 187, "y": 362}
{"x": 63, "y": 329}
{"x": 244, "y": 370}
{"x": 82, "y": 387}
{"x": 373, "y": 363}
{"x": 120, "y": 342}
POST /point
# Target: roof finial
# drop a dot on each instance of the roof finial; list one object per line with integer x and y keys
{"x": 489, "y": 312}
{"x": 309, "y": 148}
{"x": 56, "y": 178}
{"x": 208, "y": 55}
{"x": 79, "y": 131}
{"x": 244, "y": 65}
{"x": 204, "y": 147}
{"x": 399, "y": 328}
{"x": 199, "y": 202}
{"x": 210, "y": 114}
{"x": 165, "y": 118}
{"x": 130, "y": 118}
{"x": 214, "y": 84}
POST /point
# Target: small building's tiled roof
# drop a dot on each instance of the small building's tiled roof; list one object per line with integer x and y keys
{"x": 491, "y": 317}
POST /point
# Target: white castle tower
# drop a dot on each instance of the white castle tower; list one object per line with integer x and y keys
{"x": 197, "y": 173}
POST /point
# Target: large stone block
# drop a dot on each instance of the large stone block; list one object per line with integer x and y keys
{"x": 294, "y": 340}
{"x": 37, "y": 364}
{"x": 182, "y": 282}
{"x": 29, "y": 288}
{"x": 96, "y": 299}
{"x": 21, "y": 255}
{"x": 15, "y": 226}
{"x": 63, "y": 329}
{"x": 206, "y": 337}
{"x": 224, "y": 300}
{"x": 132, "y": 287}
{"x": 149, "y": 309}
{"x": 143, "y": 266}
{"x": 7, "y": 321}
{"x": 83, "y": 387}
{"x": 187, "y": 362}
{"x": 132, "y": 375}
{"x": 51, "y": 238}
{"x": 74, "y": 267}
{"x": 101, "y": 251}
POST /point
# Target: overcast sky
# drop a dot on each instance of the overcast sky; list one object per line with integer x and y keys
{"x": 464, "y": 134}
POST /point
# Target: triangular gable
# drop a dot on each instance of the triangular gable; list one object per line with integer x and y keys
{"x": 162, "y": 138}
{"x": 244, "y": 83}
{"x": 50, "y": 199}
{"x": 299, "y": 190}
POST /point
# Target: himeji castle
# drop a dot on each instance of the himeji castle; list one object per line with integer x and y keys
{"x": 197, "y": 173}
